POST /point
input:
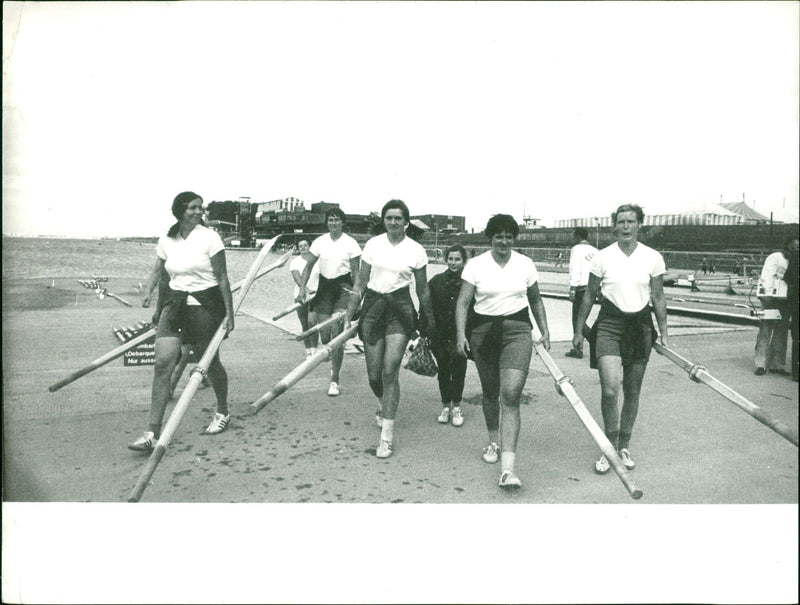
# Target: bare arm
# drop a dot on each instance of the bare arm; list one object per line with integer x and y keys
{"x": 424, "y": 296}
{"x": 152, "y": 281}
{"x": 659, "y": 306}
{"x": 301, "y": 295}
{"x": 362, "y": 278}
{"x": 465, "y": 296}
{"x": 220, "y": 268}
{"x": 586, "y": 307}
{"x": 355, "y": 263}
{"x": 539, "y": 314}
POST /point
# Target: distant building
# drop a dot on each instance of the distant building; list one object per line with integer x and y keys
{"x": 531, "y": 223}
{"x": 693, "y": 214}
{"x": 443, "y": 223}
{"x": 290, "y": 215}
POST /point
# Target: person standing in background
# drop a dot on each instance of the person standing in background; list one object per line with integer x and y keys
{"x": 580, "y": 259}
{"x": 307, "y": 319}
{"x": 791, "y": 279}
{"x": 770, "y": 354}
{"x": 444, "y": 289}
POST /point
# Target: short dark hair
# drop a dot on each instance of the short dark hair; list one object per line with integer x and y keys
{"x": 628, "y": 208}
{"x": 581, "y": 232}
{"x": 396, "y": 205}
{"x": 456, "y": 248}
{"x": 501, "y": 222}
{"x": 335, "y": 212}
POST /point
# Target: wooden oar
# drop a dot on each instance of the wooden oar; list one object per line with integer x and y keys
{"x": 287, "y": 310}
{"x": 699, "y": 373}
{"x": 119, "y": 351}
{"x": 338, "y": 316}
{"x": 195, "y": 379}
{"x": 564, "y": 387}
{"x": 302, "y": 370}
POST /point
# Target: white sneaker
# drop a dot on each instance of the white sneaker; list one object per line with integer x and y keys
{"x": 490, "y": 453}
{"x": 218, "y": 424}
{"x": 333, "y": 390}
{"x": 625, "y": 456}
{"x": 510, "y": 480}
{"x": 602, "y": 465}
{"x": 444, "y": 417}
{"x": 145, "y": 443}
{"x": 384, "y": 449}
{"x": 457, "y": 418}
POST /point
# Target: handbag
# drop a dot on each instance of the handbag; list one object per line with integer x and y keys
{"x": 421, "y": 360}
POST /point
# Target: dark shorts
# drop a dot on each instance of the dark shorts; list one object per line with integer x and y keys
{"x": 615, "y": 338}
{"x": 197, "y": 326}
{"x": 331, "y": 295}
{"x": 513, "y": 354}
{"x": 381, "y": 319}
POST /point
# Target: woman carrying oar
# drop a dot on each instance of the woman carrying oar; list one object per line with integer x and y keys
{"x": 629, "y": 275}
{"x": 197, "y": 300}
{"x": 306, "y": 317}
{"x": 390, "y": 262}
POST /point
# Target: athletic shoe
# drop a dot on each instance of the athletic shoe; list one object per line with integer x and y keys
{"x": 457, "y": 419}
{"x": 379, "y": 418}
{"x": 333, "y": 390}
{"x": 760, "y": 371}
{"x": 218, "y": 424}
{"x": 384, "y": 449}
{"x": 625, "y": 456}
{"x": 574, "y": 353}
{"x": 509, "y": 480}
{"x": 145, "y": 443}
{"x": 444, "y": 417}
{"x": 602, "y": 466}
{"x": 490, "y": 453}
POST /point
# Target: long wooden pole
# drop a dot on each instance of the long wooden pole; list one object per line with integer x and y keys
{"x": 195, "y": 379}
{"x": 699, "y": 373}
{"x": 302, "y": 370}
{"x": 290, "y": 309}
{"x": 338, "y": 316}
{"x": 565, "y": 388}
{"x": 122, "y": 349}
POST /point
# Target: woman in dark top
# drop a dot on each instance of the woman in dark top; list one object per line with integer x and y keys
{"x": 444, "y": 289}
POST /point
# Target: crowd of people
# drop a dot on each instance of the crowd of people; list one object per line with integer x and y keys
{"x": 481, "y": 308}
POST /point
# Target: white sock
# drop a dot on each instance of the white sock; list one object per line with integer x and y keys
{"x": 387, "y": 429}
{"x": 507, "y": 460}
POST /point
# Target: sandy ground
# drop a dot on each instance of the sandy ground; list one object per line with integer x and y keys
{"x": 691, "y": 445}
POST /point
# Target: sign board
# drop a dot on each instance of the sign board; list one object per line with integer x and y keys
{"x": 143, "y": 354}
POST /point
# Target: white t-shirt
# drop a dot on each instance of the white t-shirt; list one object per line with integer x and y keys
{"x": 772, "y": 274}
{"x": 500, "y": 290}
{"x": 392, "y": 266}
{"x": 580, "y": 259}
{"x": 188, "y": 261}
{"x": 299, "y": 264}
{"x": 626, "y": 279}
{"x": 334, "y": 256}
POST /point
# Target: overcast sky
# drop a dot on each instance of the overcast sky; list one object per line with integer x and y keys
{"x": 551, "y": 110}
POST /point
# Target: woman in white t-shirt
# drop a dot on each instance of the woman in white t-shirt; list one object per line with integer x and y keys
{"x": 197, "y": 300}
{"x": 504, "y": 286}
{"x": 629, "y": 275}
{"x": 337, "y": 256}
{"x": 389, "y": 263}
{"x": 307, "y": 318}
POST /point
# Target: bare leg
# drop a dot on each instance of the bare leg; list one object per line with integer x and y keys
{"x": 632, "y": 377}
{"x": 167, "y": 350}
{"x": 395, "y": 348}
{"x": 610, "y": 376}
{"x": 511, "y": 384}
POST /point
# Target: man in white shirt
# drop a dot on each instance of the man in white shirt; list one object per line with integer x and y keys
{"x": 771, "y": 342}
{"x": 580, "y": 259}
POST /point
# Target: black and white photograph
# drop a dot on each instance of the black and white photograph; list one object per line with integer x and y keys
{"x": 400, "y": 302}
